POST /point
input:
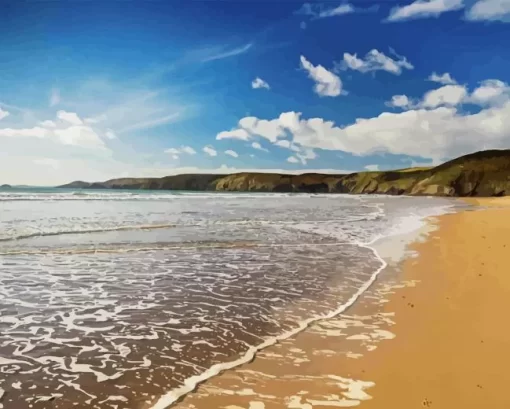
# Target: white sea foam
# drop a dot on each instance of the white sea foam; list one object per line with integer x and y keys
{"x": 227, "y": 279}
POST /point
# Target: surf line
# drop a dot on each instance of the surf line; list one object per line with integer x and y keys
{"x": 191, "y": 383}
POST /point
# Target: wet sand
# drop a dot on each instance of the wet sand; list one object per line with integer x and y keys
{"x": 430, "y": 333}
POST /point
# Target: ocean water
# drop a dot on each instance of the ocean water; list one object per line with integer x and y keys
{"x": 127, "y": 299}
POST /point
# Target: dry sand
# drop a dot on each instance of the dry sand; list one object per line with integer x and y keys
{"x": 434, "y": 335}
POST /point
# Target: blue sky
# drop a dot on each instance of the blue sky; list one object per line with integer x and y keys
{"x": 96, "y": 90}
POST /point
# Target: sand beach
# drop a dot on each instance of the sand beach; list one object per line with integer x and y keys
{"x": 429, "y": 333}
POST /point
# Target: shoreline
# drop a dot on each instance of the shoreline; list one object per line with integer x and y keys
{"x": 293, "y": 374}
{"x": 389, "y": 259}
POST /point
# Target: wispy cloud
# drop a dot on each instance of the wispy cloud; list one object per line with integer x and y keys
{"x": 151, "y": 123}
{"x": 445, "y": 79}
{"x": 423, "y": 9}
{"x": 54, "y": 97}
{"x": 232, "y": 153}
{"x": 219, "y": 55}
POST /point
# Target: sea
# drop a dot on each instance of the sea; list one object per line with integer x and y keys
{"x": 129, "y": 299}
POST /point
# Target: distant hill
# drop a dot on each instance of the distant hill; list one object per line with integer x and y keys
{"x": 485, "y": 173}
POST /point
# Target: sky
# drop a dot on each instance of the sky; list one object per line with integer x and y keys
{"x": 93, "y": 90}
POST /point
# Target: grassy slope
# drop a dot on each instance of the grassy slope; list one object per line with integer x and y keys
{"x": 485, "y": 173}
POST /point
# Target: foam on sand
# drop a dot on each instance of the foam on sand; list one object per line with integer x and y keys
{"x": 191, "y": 383}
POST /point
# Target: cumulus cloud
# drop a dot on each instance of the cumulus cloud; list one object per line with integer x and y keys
{"x": 490, "y": 92}
{"x": 435, "y": 128}
{"x": 70, "y": 130}
{"x": 3, "y": 114}
{"x": 258, "y": 146}
{"x": 48, "y": 124}
{"x": 70, "y": 117}
{"x": 423, "y": 9}
{"x": 176, "y": 152}
{"x": 399, "y": 101}
{"x": 448, "y": 95}
{"x": 231, "y": 153}
{"x": 445, "y": 79}
{"x": 292, "y": 159}
{"x": 258, "y": 83}
{"x": 374, "y": 61}
{"x": 489, "y": 10}
{"x": 327, "y": 84}
{"x": 251, "y": 125}
{"x": 209, "y": 150}
{"x": 234, "y": 134}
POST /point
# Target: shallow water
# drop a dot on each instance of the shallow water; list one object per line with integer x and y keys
{"x": 111, "y": 299}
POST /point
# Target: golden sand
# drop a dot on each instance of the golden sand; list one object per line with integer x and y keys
{"x": 434, "y": 335}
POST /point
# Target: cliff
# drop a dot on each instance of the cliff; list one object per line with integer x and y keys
{"x": 485, "y": 173}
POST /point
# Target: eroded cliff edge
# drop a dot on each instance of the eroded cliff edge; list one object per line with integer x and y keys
{"x": 485, "y": 173}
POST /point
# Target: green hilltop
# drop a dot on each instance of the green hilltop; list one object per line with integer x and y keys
{"x": 484, "y": 173}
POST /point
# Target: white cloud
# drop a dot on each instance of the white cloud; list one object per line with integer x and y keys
{"x": 399, "y": 101}
{"x": 110, "y": 134}
{"x": 318, "y": 11}
{"x": 209, "y": 150}
{"x": 490, "y": 10}
{"x": 153, "y": 122}
{"x": 70, "y": 117}
{"x": 69, "y": 131}
{"x": 490, "y": 92}
{"x": 423, "y": 9}
{"x": 337, "y": 11}
{"x": 374, "y": 61}
{"x": 292, "y": 159}
{"x": 231, "y": 153}
{"x": 3, "y": 114}
{"x": 305, "y": 155}
{"x": 256, "y": 145}
{"x": 216, "y": 54}
{"x": 189, "y": 150}
{"x": 372, "y": 168}
{"x": 79, "y": 135}
{"x": 327, "y": 84}
{"x": 175, "y": 152}
{"x": 259, "y": 83}
{"x": 445, "y": 79}
{"x": 49, "y": 124}
{"x": 54, "y": 97}
{"x": 435, "y": 128}
{"x": 96, "y": 119}
{"x": 283, "y": 143}
{"x": 234, "y": 134}
{"x": 449, "y": 95}
{"x": 249, "y": 126}
{"x": 35, "y": 132}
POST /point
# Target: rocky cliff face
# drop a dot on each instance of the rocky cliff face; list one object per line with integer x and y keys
{"x": 485, "y": 173}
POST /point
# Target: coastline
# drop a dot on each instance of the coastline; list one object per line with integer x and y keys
{"x": 346, "y": 361}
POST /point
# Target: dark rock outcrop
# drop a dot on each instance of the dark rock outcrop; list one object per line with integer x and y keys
{"x": 485, "y": 173}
